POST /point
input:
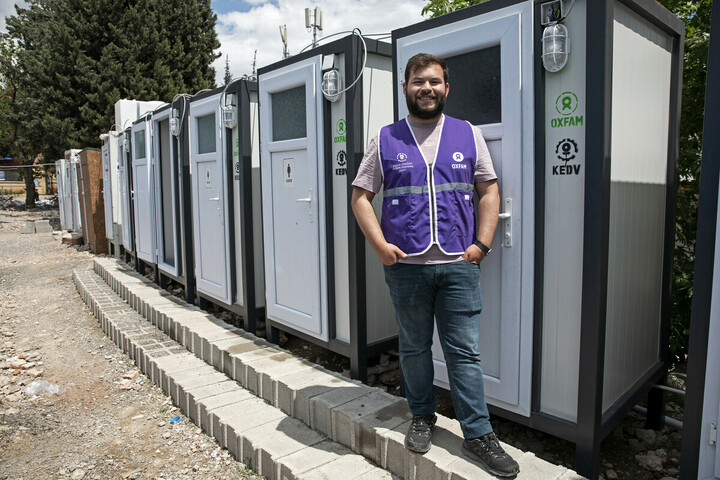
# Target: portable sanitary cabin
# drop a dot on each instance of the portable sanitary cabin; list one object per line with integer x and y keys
{"x": 579, "y": 104}
{"x": 126, "y": 113}
{"x": 111, "y": 191}
{"x": 71, "y": 192}
{"x": 225, "y": 191}
{"x": 91, "y": 199}
{"x": 323, "y": 283}
{"x": 172, "y": 206}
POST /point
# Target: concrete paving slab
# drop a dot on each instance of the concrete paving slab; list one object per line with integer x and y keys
{"x": 43, "y": 226}
{"x": 27, "y": 227}
{"x": 356, "y": 464}
{"x": 321, "y": 406}
{"x": 193, "y": 395}
{"x": 249, "y": 414}
{"x": 294, "y": 391}
{"x": 240, "y": 362}
{"x": 358, "y": 423}
{"x": 260, "y": 371}
{"x": 220, "y": 357}
{"x": 463, "y": 468}
{"x": 265, "y": 444}
{"x": 267, "y": 376}
{"x": 208, "y": 404}
{"x": 193, "y": 378}
{"x": 295, "y": 465}
{"x": 378, "y": 475}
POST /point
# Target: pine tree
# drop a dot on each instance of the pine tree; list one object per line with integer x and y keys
{"x": 78, "y": 57}
{"x": 228, "y": 75}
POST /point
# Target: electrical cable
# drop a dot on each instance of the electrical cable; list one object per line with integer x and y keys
{"x": 572, "y": 2}
{"x": 365, "y": 52}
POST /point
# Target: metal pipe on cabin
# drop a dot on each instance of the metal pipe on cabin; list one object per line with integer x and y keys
{"x": 671, "y": 422}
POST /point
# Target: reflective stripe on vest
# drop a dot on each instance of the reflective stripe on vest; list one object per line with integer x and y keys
{"x": 414, "y": 194}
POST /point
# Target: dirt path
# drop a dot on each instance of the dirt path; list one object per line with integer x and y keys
{"x": 108, "y": 421}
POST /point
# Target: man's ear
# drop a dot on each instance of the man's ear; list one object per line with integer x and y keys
{"x": 404, "y": 88}
{"x": 447, "y": 89}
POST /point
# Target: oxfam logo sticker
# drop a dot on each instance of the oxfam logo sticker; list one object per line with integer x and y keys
{"x": 401, "y": 157}
{"x": 340, "y": 127}
{"x": 566, "y": 103}
{"x": 458, "y": 156}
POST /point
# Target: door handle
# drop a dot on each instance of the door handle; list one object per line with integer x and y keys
{"x": 214, "y": 199}
{"x": 506, "y": 217}
{"x": 308, "y": 200}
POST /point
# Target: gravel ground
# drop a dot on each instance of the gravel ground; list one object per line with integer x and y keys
{"x": 107, "y": 421}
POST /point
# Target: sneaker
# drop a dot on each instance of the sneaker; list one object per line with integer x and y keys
{"x": 490, "y": 454}
{"x": 420, "y": 432}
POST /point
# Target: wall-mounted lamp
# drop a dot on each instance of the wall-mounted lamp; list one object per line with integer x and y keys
{"x": 555, "y": 47}
{"x": 332, "y": 84}
{"x": 229, "y": 110}
{"x": 104, "y": 136}
{"x": 175, "y": 122}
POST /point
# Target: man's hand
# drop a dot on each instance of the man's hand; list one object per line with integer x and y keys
{"x": 390, "y": 254}
{"x": 473, "y": 254}
{"x": 365, "y": 215}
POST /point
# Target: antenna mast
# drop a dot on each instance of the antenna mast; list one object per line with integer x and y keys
{"x": 313, "y": 21}
{"x": 283, "y": 37}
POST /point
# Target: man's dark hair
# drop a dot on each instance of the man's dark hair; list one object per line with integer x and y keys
{"x": 423, "y": 60}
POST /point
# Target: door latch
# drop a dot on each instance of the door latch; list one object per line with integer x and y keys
{"x": 713, "y": 434}
{"x": 506, "y": 218}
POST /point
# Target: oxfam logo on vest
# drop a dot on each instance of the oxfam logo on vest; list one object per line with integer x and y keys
{"x": 458, "y": 157}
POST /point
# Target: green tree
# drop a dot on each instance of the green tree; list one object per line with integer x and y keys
{"x": 435, "y": 8}
{"x": 228, "y": 76}
{"x": 76, "y": 58}
{"x": 14, "y": 141}
{"x": 696, "y": 15}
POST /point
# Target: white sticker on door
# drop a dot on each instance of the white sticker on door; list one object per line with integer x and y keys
{"x": 288, "y": 172}
{"x": 208, "y": 177}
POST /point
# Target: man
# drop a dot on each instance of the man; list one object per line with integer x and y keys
{"x": 431, "y": 242}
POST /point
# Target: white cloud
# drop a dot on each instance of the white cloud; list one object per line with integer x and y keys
{"x": 7, "y": 8}
{"x": 241, "y": 33}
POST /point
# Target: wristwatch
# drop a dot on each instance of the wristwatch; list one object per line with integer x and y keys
{"x": 483, "y": 247}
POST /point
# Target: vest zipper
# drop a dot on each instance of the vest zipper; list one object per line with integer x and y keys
{"x": 433, "y": 212}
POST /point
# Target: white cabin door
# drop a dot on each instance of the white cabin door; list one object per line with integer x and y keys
{"x": 486, "y": 56}
{"x": 107, "y": 190}
{"x": 125, "y": 199}
{"x": 144, "y": 192}
{"x": 209, "y": 199}
{"x": 165, "y": 188}
{"x": 292, "y": 198}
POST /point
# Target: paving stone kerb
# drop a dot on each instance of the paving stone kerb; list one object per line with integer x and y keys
{"x": 236, "y": 417}
{"x": 358, "y": 418}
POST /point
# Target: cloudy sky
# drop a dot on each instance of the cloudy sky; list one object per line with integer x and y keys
{"x": 244, "y": 26}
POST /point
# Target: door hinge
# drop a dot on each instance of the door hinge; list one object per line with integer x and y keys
{"x": 713, "y": 433}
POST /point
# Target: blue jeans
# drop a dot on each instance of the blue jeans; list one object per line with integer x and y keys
{"x": 451, "y": 294}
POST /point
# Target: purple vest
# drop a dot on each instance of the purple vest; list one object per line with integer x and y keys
{"x": 414, "y": 194}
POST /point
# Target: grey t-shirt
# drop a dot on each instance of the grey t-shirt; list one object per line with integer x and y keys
{"x": 369, "y": 176}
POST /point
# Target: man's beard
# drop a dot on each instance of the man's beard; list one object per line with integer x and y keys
{"x": 425, "y": 113}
